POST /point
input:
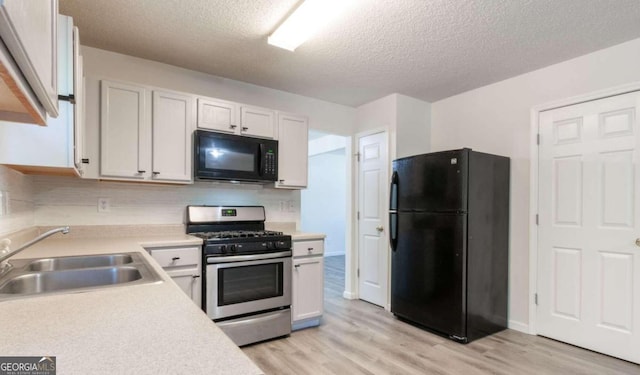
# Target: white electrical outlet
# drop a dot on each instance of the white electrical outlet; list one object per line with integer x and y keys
{"x": 104, "y": 205}
{"x": 292, "y": 206}
{"x": 282, "y": 206}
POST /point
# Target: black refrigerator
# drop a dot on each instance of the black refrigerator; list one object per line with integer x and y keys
{"x": 449, "y": 234}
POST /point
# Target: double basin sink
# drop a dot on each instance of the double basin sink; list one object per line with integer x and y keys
{"x": 29, "y": 277}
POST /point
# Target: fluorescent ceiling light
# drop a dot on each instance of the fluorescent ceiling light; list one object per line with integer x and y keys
{"x": 308, "y": 18}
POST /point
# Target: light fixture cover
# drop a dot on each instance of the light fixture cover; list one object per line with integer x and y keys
{"x": 308, "y": 18}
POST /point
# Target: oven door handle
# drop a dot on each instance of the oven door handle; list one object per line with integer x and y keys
{"x": 244, "y": 258}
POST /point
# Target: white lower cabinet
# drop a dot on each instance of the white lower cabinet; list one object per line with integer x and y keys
{"x": 307, "y": 303}
{"x": 183, "y": 264}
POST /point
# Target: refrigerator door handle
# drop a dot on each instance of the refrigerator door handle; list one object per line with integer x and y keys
{"x": 393, "y": 230}
{"x": 393, "y": 192}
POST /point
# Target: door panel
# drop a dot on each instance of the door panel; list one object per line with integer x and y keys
{"x": 588, "y": 262}
{"x": 373, "y": 255}
{"x": 435, "y": 182}
{"x": 173, "y": 124}
{"x": 428, "y": 285}
{"x": 124, "y": 131}
{"x": 308, "y": 288}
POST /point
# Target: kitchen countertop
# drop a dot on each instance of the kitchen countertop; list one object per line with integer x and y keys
{"x": 302, "y": 236}
{"x": 289, "y": 228}
{"x": 141, "y": 329}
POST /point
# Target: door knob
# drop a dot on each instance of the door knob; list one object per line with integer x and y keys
{"x": 638, "y": 242}
{"x": 379, "y": 228}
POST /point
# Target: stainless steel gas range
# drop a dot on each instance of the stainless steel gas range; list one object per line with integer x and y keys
{"x": 246, "y": 272}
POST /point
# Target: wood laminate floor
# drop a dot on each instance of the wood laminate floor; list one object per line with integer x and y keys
{"x": 356, "y": 337}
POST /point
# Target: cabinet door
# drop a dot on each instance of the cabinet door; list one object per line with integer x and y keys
{"x": 308, "y": 288}
{"x": 189, "y": 282}
{"x": 49, "y": 147}
{"x": 293, "y": 135}
{"x": 173, "y": 124}
{"x": 29, "y": 30}
{"x": 304, "y": 248}
{"x": 183, "y": 265}
{"x": 78, "y": 108}
{"x": 257, "y": 122}
{"x": 218, "y": 115}
{"x": 125, "y": 137}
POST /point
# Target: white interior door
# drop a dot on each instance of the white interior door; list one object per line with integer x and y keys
{"x": 373, "y": 256}
{"x": 589, "y": 207}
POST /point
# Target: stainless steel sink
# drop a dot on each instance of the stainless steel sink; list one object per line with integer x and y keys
{"x": 43, "y": 282}
{"x": 30, "y": 277}
{"x": 75, "y": 262}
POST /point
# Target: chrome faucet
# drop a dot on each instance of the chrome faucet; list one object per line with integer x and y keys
{"x": 4, "y": 264}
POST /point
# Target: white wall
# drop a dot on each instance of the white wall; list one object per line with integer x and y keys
{"x": 324, "y": 116}
{"x": 407, "y": 120}
{"x": 496, "y": 119}
{"x": 73, "y": 201}
{"x": 16, "y": 201}
{"x": 413, "y": 129}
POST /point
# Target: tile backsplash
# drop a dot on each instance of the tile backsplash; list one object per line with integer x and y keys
{"x": 74, "y": 201}
{"x": 16, "y": 201}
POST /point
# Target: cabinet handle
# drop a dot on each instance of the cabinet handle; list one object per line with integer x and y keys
{"x": 175, "y": 258}
{"x": 233, "y": 126}
{"x": 195, "y": 276}
{"x": 141, "y": 172}
{"x": 155, "y": 173}
{"x": 310, "y": 249}
{"x": 297, "y": 265}
{"x": 281, "y": 181}
{"x": 244, "y": 129}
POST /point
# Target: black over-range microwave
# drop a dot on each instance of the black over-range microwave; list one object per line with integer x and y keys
{"x": 232, "y": 157}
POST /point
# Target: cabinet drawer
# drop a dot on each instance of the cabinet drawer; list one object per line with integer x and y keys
{"x": 177, "y": 257}
{"x": 301, "y": 248}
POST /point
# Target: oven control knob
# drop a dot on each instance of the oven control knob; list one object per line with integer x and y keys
{"x": 271, "y": 245}
{"x": 232, "y": 248}
{"x": 223, "y": 249}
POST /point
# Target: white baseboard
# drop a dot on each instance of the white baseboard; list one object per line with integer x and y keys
{"x": 349, "y": 295}
{"x": 519, "y": 326}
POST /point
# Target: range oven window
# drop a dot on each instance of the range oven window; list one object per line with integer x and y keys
{"x": 249, "y": 283}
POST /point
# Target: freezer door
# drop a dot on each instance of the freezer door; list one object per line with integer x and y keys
{"x": 428, "y": 278}
{"x": 435, "y": 182}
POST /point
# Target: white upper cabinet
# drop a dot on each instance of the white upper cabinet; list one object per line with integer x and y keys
{"x": 125, "y": 131}
{"x": 235, "y": 118}
{"x": 145, "y": 134}
{"x": 218, "y": 115}
{"x": 56, "y": 148}
{"x": 293, "y": 135}
{"x": 172, "y": 128}
{"x": 28, "y": 59}
{"x": 257, "y": 122}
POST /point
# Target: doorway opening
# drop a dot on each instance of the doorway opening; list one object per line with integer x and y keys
{"x": 325, "y": 200}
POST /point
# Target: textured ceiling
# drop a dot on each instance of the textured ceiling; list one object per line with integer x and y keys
{"x": 427, "y": 49}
